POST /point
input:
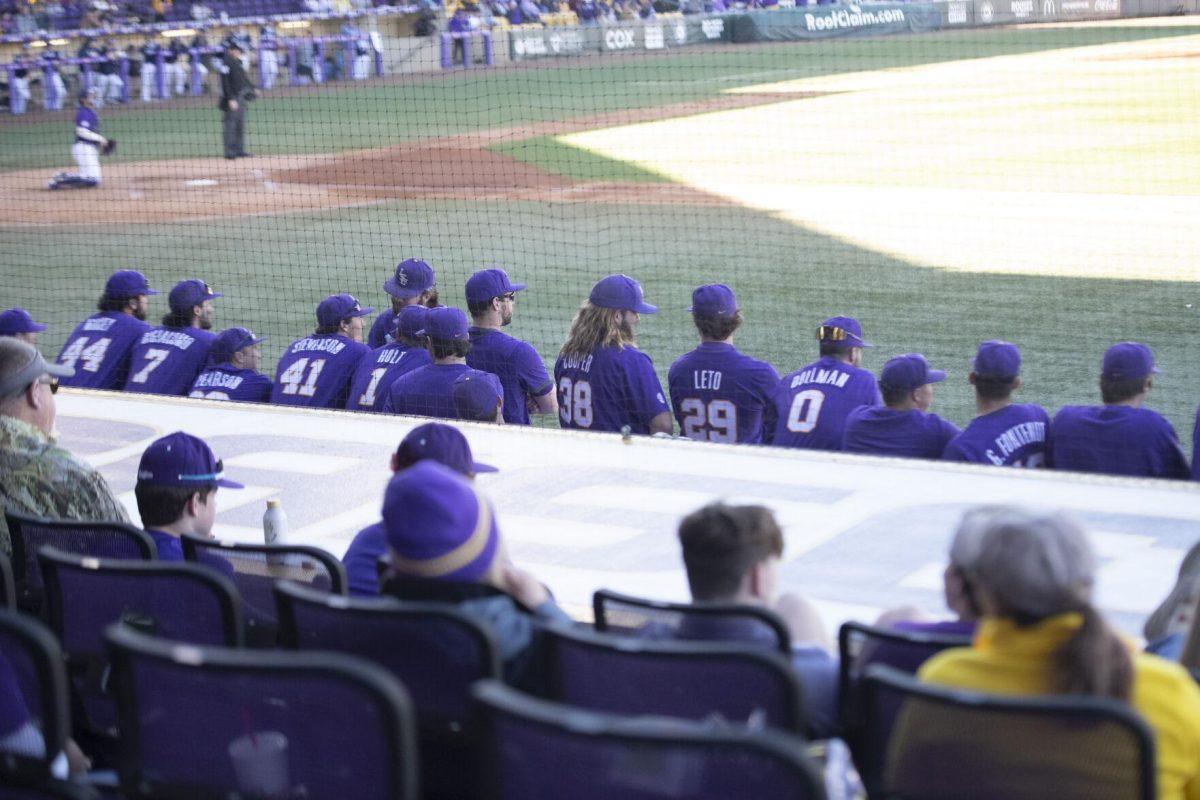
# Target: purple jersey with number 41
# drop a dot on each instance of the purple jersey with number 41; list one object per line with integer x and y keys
{"x": 99, "y": 350}
{"x": 607, "y": 389}
{"x": 167, "y": 360}
{"x": 719, "y": 394}
{"x": 1013, "y": 436}
{"x": 812, "y": 403}
{"x": 315, "y": 371}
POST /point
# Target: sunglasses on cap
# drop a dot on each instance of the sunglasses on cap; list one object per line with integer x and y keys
{"x": 833, "y": 334}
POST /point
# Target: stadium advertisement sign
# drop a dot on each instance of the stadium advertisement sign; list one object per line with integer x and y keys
{"x": 1088, "y": 9}
{"x": 653, "y": 35}
{"x": 823, "y": 22}
{"x": 546, "y": 43}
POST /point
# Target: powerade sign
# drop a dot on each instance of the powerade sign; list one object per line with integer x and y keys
{"x": 550, "y": 43}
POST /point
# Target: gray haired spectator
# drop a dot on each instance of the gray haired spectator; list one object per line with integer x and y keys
{"x": 1164, "y": 630}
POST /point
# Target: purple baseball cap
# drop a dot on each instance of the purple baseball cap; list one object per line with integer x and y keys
{"x": 18, "y": 320}
{"x": 229, "y": 341}
{"x": 843, "y": 332}
{"x": 1127, "y": 361}
{"x": 413, "y": 277}
{"x": 192, "y": 292}
{"x": 127, "y": 283}
{"x": 476, "y": 396}
{"x": 714, "y": 300}
{"x": 337, "y": 307}
{"x": 410, "y": 321}
{"x": 442, "y": 443}
{"x": 623, "y": 292}
{"x": 909, "y": 371}
{"x": 997, "y": 359}
{"x": 445, "y": 323}
{"x": 489, "y": 283}
{"x": 180, "y": 459}
{"x": 438, "y": 525}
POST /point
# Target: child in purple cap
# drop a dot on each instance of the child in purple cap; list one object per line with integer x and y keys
{"x": 167, "y": 359}
{"x": 381, "y": 367}
{"x": 903, "y": 426}
{"x": 426, "y": 391}
{"x": 1119, "y": 437}
{"x": 100, "y": 346}
{"x": 18, "y": 323}
{"x": 315, "y": 371}
{"x": 605, "y": 383}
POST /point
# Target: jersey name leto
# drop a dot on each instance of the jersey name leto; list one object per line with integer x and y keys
{"x": 720, "y": 395}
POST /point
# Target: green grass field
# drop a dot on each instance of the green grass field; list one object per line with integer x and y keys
{"x": 789, "y": 274}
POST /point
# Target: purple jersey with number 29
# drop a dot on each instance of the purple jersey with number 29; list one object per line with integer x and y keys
{"x": 719, "y": 394}
{"x": 607, "y": 389}
{"x": 812, "y": 403}
{"x": 315, "y": 371}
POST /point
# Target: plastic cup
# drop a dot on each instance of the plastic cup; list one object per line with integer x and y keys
{"x": 261, "y": 763}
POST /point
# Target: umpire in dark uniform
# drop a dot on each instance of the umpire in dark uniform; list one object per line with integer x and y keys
{"x": 236, "y": 91}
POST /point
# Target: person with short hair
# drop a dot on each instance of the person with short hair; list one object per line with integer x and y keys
{"x": 605, "y": 383}
{"x": 718, "y": 393}
{"x": 478, "y": 397}
{"x": 491, "y": 298}
{"x": 1120, "y": 437}
{"x": 382, "y": 366}
{"x": 18, "y": 323}
{"x": 232, "y": 372}
{"x": 1041, "y": 634}
{"x": 426, "y": 391}
{"x": 315, "y": 371}
{"x": 810, "y": 406}
{"x": 434, "y": 441}
{"x": 1003, "y": 433}
{"x": 99, "y": 348}
{"x": 903, "y": 426}
{"x": 412, "y": 284}
{"x": 36, "y": 476}
{"x": 167, "y": 358}
{"x": 732, "y": 554}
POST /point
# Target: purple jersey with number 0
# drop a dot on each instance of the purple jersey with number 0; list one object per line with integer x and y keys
{"x": 167, "y": 360}
{"x": 425, "y": 392}
{"x": 227, "y": 382}
{"x": 1013, "y": 436}
{"x": 315, "y": 371}
{"x": 607, "y": 389}
{"x": 882, "y": 431}
{"x": 379, "y": 370}
{"x": 99, "y": 350}
{"x": 518, "y": 366}
{"x": 811, "y": 405}
{"x": 719, "y": 394}
{"x": 1115, "y": 440}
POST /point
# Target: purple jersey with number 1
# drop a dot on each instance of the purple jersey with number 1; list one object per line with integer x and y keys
{"x": 883, "y": 431}
{"x": 315, "y": 371}
{"x": 811, "y": 405}
{"x": 719, "y": 394}
{"x": 379, "y": 370}
{"x": 99, "y": 350}
{"x": 1115, "y": 440}
{"x": 1013, "y": 436}
{"x": 167, "y": 360}
{"x": 607, "y": 389}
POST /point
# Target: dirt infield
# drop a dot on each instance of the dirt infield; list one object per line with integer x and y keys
{"x": 456, "y": 168}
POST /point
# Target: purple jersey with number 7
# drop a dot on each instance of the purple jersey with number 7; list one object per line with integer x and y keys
{"x": 167, "y": 360}
{"x": 315, "y": 371}
{"x": 99, "y": 350}
{"x": 811, "y": 405}
{"x": 379, "y": 370}
{"x": 607, "y": 389}
{"x": 719, "y": 394}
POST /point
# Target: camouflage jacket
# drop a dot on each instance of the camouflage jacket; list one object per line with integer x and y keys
{"x": 40, "y": 478}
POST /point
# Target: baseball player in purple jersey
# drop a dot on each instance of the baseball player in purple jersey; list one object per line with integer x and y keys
{"x": 491, "y": 298}
{"x": 232, "y": 372}
{"x": 315, "y": 371}
{"x": 427, "y": 391}
{"x": 86, "y": 149}
{"x": 379, "y": 370}
{"x": 16, "y": 322}
{"x": 903, "y": 426}
{"x": 1120, "y": 437}
{"x": 1196, "y": 448}
{"x": 99, "y": 347}
{"x": 718, "y": 393}
{"x": 413, "y": 283}
{"x": 604, "y": 382}
{"x": 167, "y": 359}
{"x": 478, "y": 397}
{"x": 1003, "y": 433}
{"x": 810, "y": 407}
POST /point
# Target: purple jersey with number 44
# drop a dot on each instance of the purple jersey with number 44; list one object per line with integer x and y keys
{"x": 811, "y": 404}
{"x": 315, "y": 371}
{"x": 99, "y": 350}
{"x": 1115, "y": 440}
{"x": 719, "y": 394}
{"x": 1013, "y": 436}
{"x": 379, "y": 370}
{"x": 167, "y": 360}
{"x": 607, "y": 389}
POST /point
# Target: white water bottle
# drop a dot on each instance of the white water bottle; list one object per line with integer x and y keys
{"x": 275, "y": 524}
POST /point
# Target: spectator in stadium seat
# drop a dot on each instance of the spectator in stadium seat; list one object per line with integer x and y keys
{"x": 36, "y": 476}
{"x": 1166, "y": 628}
{"x": 903, "y": 426}
{"x": 432, "y": 441}
{"x": 478, "y": 397}
{"x": 426, "y": 391}
{"x": 17, "y": 322}
{"x": 732, "y": 555}
{"x": 1120, "y": 437}
{"x": 19, "y": 731}
{"x": 1041, "y": 634}
{"x": 413, "y": 283}
{"x": 1003, "y": 433}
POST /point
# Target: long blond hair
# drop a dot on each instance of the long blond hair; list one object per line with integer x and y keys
{"x": 595, "y": 326}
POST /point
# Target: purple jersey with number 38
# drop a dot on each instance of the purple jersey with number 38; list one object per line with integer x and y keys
{"x": 607, "y": 389}
{"x": 315, "y": 371}
{"x": 812, "y": 403}
{"x": 719, "y": 394}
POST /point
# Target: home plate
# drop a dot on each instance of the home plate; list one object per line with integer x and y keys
{"x": 201, "y": 182}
